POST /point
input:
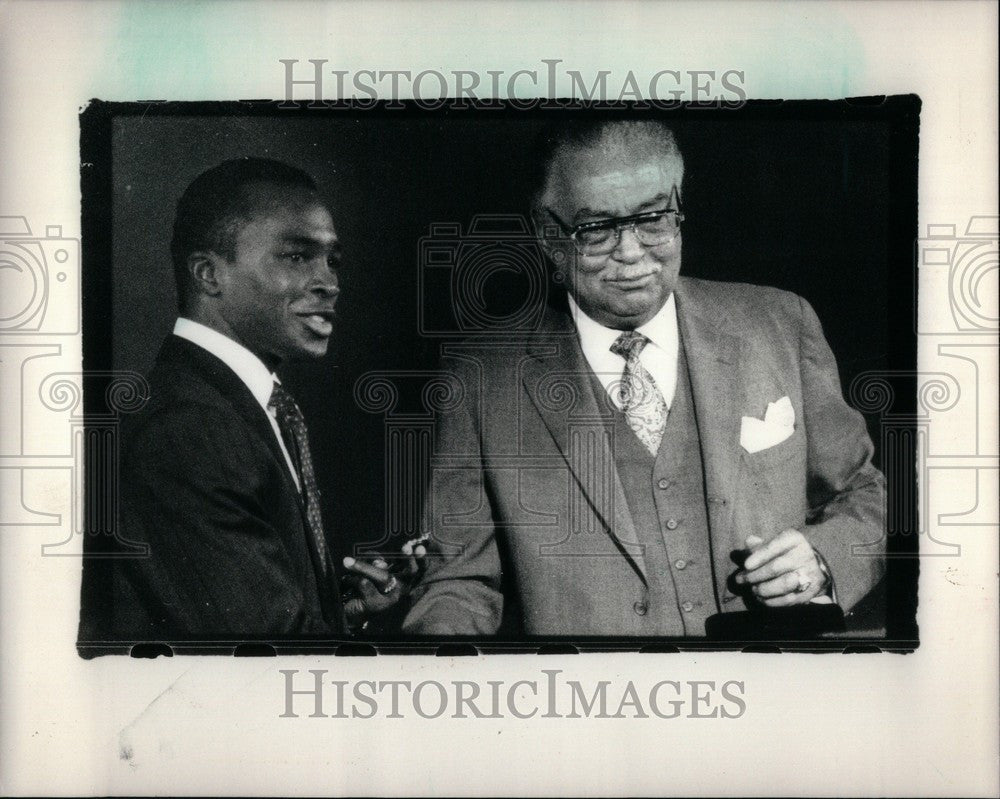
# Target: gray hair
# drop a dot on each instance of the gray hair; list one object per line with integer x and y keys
{"x": 612, "y": 138}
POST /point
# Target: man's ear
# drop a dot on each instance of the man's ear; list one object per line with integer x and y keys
{"x": 546, "y": 231}
{"x": 205, "y": 268}
{"x": 559, "y": 250}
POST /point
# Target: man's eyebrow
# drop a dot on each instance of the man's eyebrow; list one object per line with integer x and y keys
{"x": 310, "y": 241}
{"x": 659, "y": 198}
{"x": 588, "y": 212}
{"x": 585, "y": 212}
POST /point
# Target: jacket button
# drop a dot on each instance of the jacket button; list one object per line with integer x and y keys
{"x": 687, "y": 607}
{"x": 671, "y": 524}
{"x": 680, "y": 564}
{"x": 640, "y": 608}
{"x": 663, "y": 482}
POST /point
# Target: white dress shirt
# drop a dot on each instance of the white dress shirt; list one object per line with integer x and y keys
{"x": 659, "y": 356}
{"x": 248, "y": 368}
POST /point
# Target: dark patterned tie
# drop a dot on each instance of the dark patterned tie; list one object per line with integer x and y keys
{"x": 644, "y": 406}
{"x": 293, "y": 430}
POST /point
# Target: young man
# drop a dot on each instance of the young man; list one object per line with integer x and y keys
{"x": 217, "y": 474}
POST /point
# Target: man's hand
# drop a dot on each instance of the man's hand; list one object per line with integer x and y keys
{"x": 373, "y": 587}
{"x": 784, "y": 571}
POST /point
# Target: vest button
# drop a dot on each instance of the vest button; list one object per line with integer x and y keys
{"x": 680, "y": 564}
{"x": 671, "y": 524}
{"x": 641, "y": 608}
{"x": 687, "y": 607}
{"x": 663, "y": 482}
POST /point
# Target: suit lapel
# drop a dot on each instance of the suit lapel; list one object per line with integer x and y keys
{"x": 557, "y": 380}
{"x": 714, "y": 363}
{"x": 215, "y": 372}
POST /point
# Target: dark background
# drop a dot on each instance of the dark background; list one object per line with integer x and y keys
{"x": 815, "y": 197}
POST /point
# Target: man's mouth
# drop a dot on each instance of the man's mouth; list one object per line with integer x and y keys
{"x": 632, "y": 283}
{"x": 319, "y": 323}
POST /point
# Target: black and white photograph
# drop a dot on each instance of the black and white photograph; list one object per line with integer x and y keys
{"x": 481, "y": 398}
{"x": 502, "y": 375}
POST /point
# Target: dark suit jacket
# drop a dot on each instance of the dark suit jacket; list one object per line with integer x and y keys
{"x": 204, "y": 483}
{"x": 525, "y": 489}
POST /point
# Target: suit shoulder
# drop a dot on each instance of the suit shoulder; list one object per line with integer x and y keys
{"x": 486, "y": 354}
{"x": 746, "y": 303}
{"x": 182, "y": 425}
{"x": 743, "y": 295}
{"x": 186, "y": 413}
{"x": 176, "y": 393}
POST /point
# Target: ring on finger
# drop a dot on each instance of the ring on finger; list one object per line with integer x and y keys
{"x": 804, "y": 583}
{"x": 390, "y": 586}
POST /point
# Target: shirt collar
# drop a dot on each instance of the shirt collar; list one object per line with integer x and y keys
{"x": 247, "y": 366}
{"x": 596, "y": 339}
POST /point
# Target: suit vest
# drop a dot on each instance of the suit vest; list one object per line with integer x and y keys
{"x": 666, "y": 497}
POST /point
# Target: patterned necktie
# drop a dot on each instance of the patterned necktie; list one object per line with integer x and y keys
{"x": 644, "y": 406}
{"x": 293, "y": 430}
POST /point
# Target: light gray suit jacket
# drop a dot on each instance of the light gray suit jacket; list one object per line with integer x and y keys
{"x": 525, "y": 497}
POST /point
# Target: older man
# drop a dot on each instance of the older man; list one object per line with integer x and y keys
{"x": 662, "y": 450}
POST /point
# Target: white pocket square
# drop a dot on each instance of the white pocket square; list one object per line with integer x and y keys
{"x": 777, "y": 425}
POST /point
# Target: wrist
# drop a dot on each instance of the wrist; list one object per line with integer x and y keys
{"x": 827, "y": 587}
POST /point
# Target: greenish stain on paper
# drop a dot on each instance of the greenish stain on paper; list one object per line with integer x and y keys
{"x": 818, "y": 56}
{"x": 179, "y": 44}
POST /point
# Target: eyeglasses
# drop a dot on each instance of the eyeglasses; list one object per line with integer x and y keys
{"x": 651, "y": 228}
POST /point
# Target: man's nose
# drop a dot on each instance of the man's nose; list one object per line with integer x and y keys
{"x": 326, "y": 281}
{"x": 629, "y": 249}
